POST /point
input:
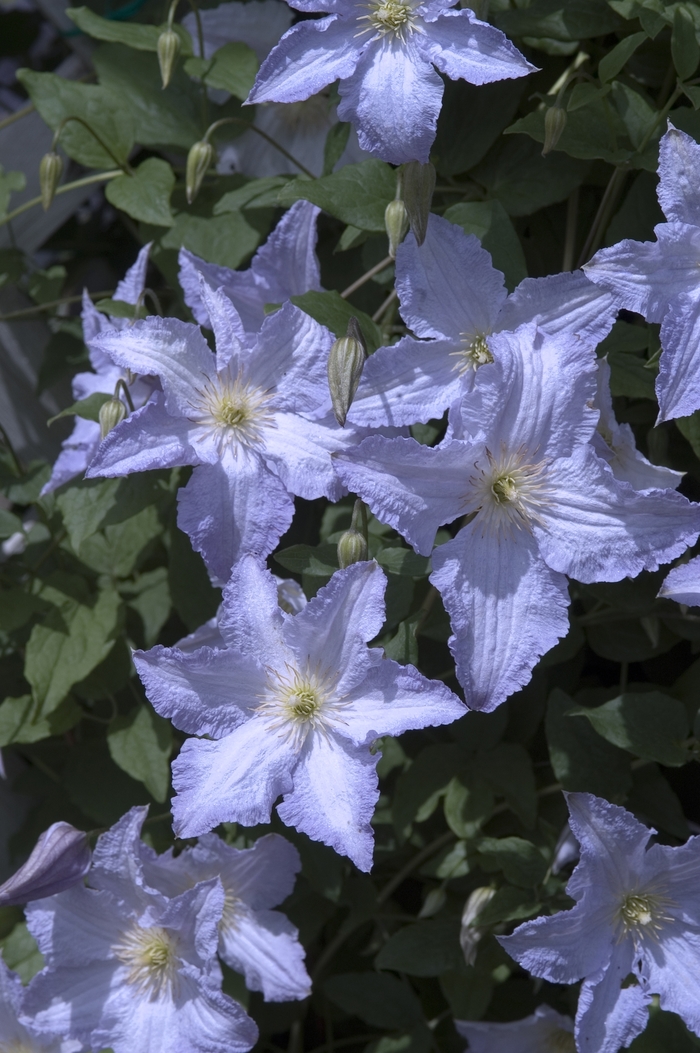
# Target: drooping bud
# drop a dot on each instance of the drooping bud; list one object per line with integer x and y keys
{"x": 396, "y": 223}
{"x": 61, "y": 857}
{"x": 434, "y": 901}
{"x": 352, "y": 545}
{"x": 345, "y": 364}
{"x": 169, "y": 46}
{"x": 50, "y": 169}
{"x": 470, "y": 932}
{"x": 199, "y": 159}
{"x": 554, "y": 125}
{"x": 112, "y": 412}
{"x": 418, "y": 186}
{"x": 566, "y": 851}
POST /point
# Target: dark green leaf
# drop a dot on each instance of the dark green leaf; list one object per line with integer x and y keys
{"x": 320, "y": 561}
{"x": 20, "y": 952}
{"x": 134, "y": 35}
{"x": 357, "y": 194}
{"x": 580, "y": 758}
{"x": 520, "y": 860}
{"x": 419, "y": 789}
{"x": 592, "y": 131}
{"x": 567, "y": 20}
{"x": 194, "y": 597}
{"x": 427, "y": 948}
{"x": 258, "y": 193}
{"x": 468, "y": 804}
{"x": 515, "y": 173}
{"x": 652, "y": 797}
{"x": 336, "y": 141}
{"x": 97, "y": 785}
{"x": 613, "y": 61}
{"x": 379, "y": 999}
{"x": 20, "y": 720}
{"x": 9, "y": 183}
{"x": 140, "y": 743}
{"x": 471, "y": 119}
{"x": 509, "y": 904}
{"x": 145, "y": 195}
{"x": 403, "y": 561}
{"x": 331, "y": 310}
{"x": 490, "y": 222}
{"x": 651, "y": 725}
{"x": 403, "y": 646}
{"x": 232, "y": 68}
{"x": 88, "y": 408}
{"x": 508, "y": 770}
{"x": 684, "y": 44}
{"x": 227, "y": 240}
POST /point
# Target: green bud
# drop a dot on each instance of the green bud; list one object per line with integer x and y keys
{"x": 199, "y": 159}
{"x": 396, "y": 223}
{"x": 471, "y": 932}
{"x": 345, "y": 364}
{"x": 50, "y": 169}
{"x": 112, "y": 413}
{"x": 418, "y": 186}
{"x": 554, "y": 125}
{"x": 352, "y": 548}
{"x": 169, "y": 45}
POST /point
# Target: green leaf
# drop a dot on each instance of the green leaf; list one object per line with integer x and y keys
{"x": 357, "y": 194}
{"x": 418, "y": 790}
{"x": 151, "y": 600}
{"x": 627, "y": 373}
{"x": 665, "y": 1033}
{"x": 336, "y": 141}
{"x": 689, "y": 427}
{"x": 9, "y": 182}
{"x": 595, "y": 130}
{"x": 418, "y": 1040}
{"x": 403, "y": 646}
{"x": 650, "y": 725}
{"x": 134, "y": 35}
{"x": 509, "y": 904}
{"x": 88, "y": 408}
{"x": 194, "y": 597}
{"x": 404, "y": 561}
{"x": 119, "y": 308}
{"x": 101, "y": 789}
{"x": 20, "y": 952}
{"x": 20, "y": 722}
{"x": 468, "y": 992}
{"x": 85, "y": 505}
{"x": 63, "y": 356}
{"x": 320, "y": 560}
{"x": 470, "y": 122}
{"x": 427, "y": 948}
{"x": 227, "y": 240}
{"x": 639, "y": 213}
{"x": 521, "y": 862}
{"x": 380, "y": 999}
{"x": 257, "y": 193}
{"x": 141, "y": 743}
{"x": 652, "y": 796}
{"x": 515, "y": 173}
{"x": 232, "y": 67}
{"x": 639, "y": 116}
{"x": 116, "y": 548}
{"x": 468, "y": 804}
{"x": 9, "y": 523}
{"x": 73, "y": 638}
{"x": 580, "y": 758}
{"x": 630, "y": 640}
{"x": 684, "y": 45}
{"x": 104, "y": 111}
{"x": 145, "y": 195}
{"x": 331, "y": 310}
{"x": 613, "y": 61}
{"x": 508, "y": 770}
{"x": 567, "y": 20}
{"x": 490, "y": 222}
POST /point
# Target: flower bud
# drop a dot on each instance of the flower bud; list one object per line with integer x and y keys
{"x": 396, "y": 222}
{"x": 352, "y": 548}
{"x": 61, "y": 857}
{"x": 169, "y": 46}
{"x": 199, "y": 159}
{"x": 554, "y": 125}
{"x": 345, "y": 364}
{"x": 471, "y": 933}
{"x": 50, "y": 169}
{"x": 418, "y": 186}
{"x": 112, "y": 412}
{"x": 434, "y": 902}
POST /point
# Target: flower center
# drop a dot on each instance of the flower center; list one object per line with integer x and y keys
{"x": 643, "y": 914}
{"x": 150, "y": 955}
{"x": 389, "y": 16}
{"x": 233, "y": 409}
{"x": 561, "y": 1041}
{"x": 509, "y": 492}
{"x": 230, "y": 911}
{"x": 300, "y": 701}
{"x": 474, "y": 352}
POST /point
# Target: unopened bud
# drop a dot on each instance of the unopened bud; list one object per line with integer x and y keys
{"x": 470, "y": 932}
{"x": 169, "y": 46}
{"x": 554, "y": 125}
{"x": 61, "y": 857}
{"x": 199, "y": 159}
{"x": 345, "y": 364}
{"x": 396, "y": 223}
{"x": 112, "y": 412}
{"x": 50, "y": 169}
{"x": 418, "y": 186}
{"x": 434, "y": 902}
{"x": 352, "y": 548}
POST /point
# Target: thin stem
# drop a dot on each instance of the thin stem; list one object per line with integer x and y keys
{"x": 413, "y": 864}
{"x": 121, "y": 384}
{"x": 599, "y": 225}
{"x": 571, "y": 225}
{"x": 367, "y": 277}
{"x": 101, "y": 177}
{"x": 13, "y": 453}
{"x": 38, "y": 308}
{"x": 268, "y": 138}
{"x": 16, "y": 116}
{"x": 385, "y": 306}
{"x": 126, "y": 168}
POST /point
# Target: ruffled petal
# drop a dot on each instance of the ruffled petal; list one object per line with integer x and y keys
{"x": 682, "y": 584}
{"x": 149, "y": 438}
{"x": 261, "y": 876}
{"x": 309, "y": 56}
{"x": 609, "y": 1015}
{"x": 567, "y": 304}
{"x": 461, "y": 46}
{"x": 678, "y": 381}
{"x": 679, "y": 177}
{"x": 564, "y": 947}
{"x": 290, "y": 357}
{"x": 303, "y": 453}
{"x": 255, "y": 627}
{"x": 264, "y": 946}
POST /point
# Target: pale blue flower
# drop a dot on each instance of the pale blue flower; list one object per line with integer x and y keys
{"x": 386, "y": 55}
{"x": 659, "y": 279}
{"x": 454, "y": 300}
{"x": 636, "y": 917}
{"x": 60, "y": 858}
{"x": 81, "y": 445}
{"x": 546, "y": 1031}
{"x": 131, "y": 969}
{"x": 291, "y": 707}
{"x": 255, "y": 419}
{"x": 539, "y": 503}
{"x": 682, "y": 584}
{"x": 285, "y": 266}
{"x": 290, "y": 596}
{"x": 21, "y": 1037}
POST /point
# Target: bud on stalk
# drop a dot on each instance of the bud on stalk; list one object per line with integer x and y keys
{"x": 59, "y": 860}
{"x": 199, "y": 159}
{"x": 418, "y": 186}
{"x": 471, "y": 932}
{"x": 169, "y": 46}
{"x": 396, "y": 223}
{"x": 50, "y": 169}
{"x": 352, "y": 545}
{"x": 554, "y": 125}
{"x": 345, "y": 364}
{"x": 112, "y": 412}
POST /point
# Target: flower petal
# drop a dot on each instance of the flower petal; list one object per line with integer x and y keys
{"x": 679, "y": 172}
{"x": 149, "y": 438}
{"x": 461, "y": 46}
{"x": 255, "y": 627}
{"x": 682, "y": 584}
{"x": 262, "y": 875}
{"x": 259, "y": 24}
{"x": 303, "y": 454}
{"x": 290, "y": 357}
{"x": 610, "y": 1016}
{"x": 678, "y": 381}
{"x": 264, "y": 946}
{"x": 568, "y": 304}
{"x": 309, "y": 56}
{"x": 287, "y": 263}
{"x": 562, "y": 947}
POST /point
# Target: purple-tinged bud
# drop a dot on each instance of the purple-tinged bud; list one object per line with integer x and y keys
{"x": 169, "y": 46}
{"x": 554, "y": 125}
{"x": 199, "y": 159}
{"x": 418, "y": 183}
{"x": 50, "y": 169}
{"x": 61, "y": 857}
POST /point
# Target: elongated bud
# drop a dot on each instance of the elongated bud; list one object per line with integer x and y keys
{"x": 50, "y": 169}
{"x": 61, "y": 857}
{"x": 199, "y": 159}
{"x": 352, "y": 545}
{"x": 112, "y": 412}
{"x": 434, "y": 901}
{"x": 345, "y": 364}
{"x": 396, "y": 222}
{"x": 554, "y": 125}
{"x": 418, "y": 186}
{"x": 169, "y": 46}
{"x": 471, "y": 932}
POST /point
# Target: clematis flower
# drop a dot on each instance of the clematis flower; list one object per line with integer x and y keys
{"x": 285, "y": 266}
{"x": 539, "y": 505}
{"x": 682, "y": 584}
{"x": 17, "y": 1037}
{"x": 290, "y": 596}
{"x": 384, "y": 55}
{"x": 131, "y": 969}
{"x": 291, "y": 707}
{"x": 635, "y": 916}
{"x": 255, "y": 420}
{"x": 546, "y": 1031}
{"x": 60, "y": 858}
{"x": 658, "y": 279}
{"x": 81, "y": 445}
{"x": 455, "y": 300}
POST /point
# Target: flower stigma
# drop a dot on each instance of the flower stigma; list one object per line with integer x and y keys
{"x": 151, "y": 956}
{"x": 300, "y": 701}
{"x": 229, "y": 916}
{"x": 508, "y": 492}
{"x": 233, "y": 409}
{"x": 643, "y": 914}
{"x": 474, "y": 352}
{"x": 396, "y": 17}
{"x": 561, "y": 1041}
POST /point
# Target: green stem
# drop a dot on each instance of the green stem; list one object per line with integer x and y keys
{"x": 16, "y": 116}
{"x": 12, "y": 451}
{"x": 259, "y": 131}
{"x": 125, "y": 167}
{"x": 101, "y": 177}
{"x": 382, "y": 265}
{"x": 38, "y": 308}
